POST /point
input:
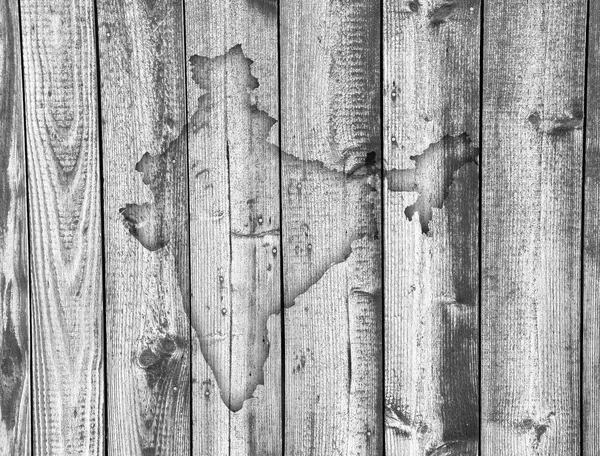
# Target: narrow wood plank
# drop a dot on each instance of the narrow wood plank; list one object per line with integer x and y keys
{"x": 14, "y": 261}
{"x": 534, "y": 59}
{"x": 431, "y": 148}
{"x": 64, "y": 206}
{"x": 331, "y": 190}
{"x": 145, "y": 214}
{"x": 235, "y": 228}
{"x": 591, "y": 250}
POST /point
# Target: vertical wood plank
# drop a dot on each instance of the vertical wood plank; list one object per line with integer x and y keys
{"x": 235, "y": 227}
{"x": 14, "y": 263}
{"x": 331, "y": 190}
{"x": 431, "y": 148}
{"x": 146, "y": 218}
{"x": 534, "y": 59}
{"x": 591, "y": 250}
{"x": 64, "y": 206}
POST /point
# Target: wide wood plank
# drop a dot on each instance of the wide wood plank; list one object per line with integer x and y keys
{"x": 14, "y": 262}
{"x": 431, "y": 148}
{"x": 331, "y": 226}
{"x": 64, "y": 206}
{"x": 591, "y": 247}
{"x": 534, "y": 59}
{"x": 146, "y": 218}
{"x": 235, "y": 226}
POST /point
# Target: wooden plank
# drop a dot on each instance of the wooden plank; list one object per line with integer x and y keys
{"x": 534, "y": 59}
{"x": 235, "y": 228}
{"x": 15, "y": 416}
{"x": 146, "y": 218}
{"x": 64, "y": 206}
{"x": 431, "y": 148}
{"x": 591, "y": 247}
{"x": 331, "y": 190}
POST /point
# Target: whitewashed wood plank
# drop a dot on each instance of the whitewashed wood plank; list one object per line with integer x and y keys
{"x": 63, "y": 159}
{"x": 591, "y": 246}
{"x": 331, "y": 190}
{"x": 235, "y": 226}
{"x": 431, "y": 148}
{"x": 533, "y": 89}
{"x": 142, "y": 70}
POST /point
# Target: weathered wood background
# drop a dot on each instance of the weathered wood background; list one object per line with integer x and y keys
{"x": 318, "y": 227}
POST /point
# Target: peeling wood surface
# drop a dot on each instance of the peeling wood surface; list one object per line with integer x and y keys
{"x": 142, "y": 70}
{"x": 591, "y": 247}
{"x": 14, "y": 260}
{"x": 178, "y": 282}
{"x": 63, "y": 157}
{"x": 533, "y": 106}
{"x": 235, "y": 226}
{"x": 431, "y": 149}
{"x": 331, "y": 198}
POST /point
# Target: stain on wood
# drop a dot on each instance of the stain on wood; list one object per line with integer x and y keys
{"x": 531, "y": 227}
{"x": 331, "y": 160}
{"x": 142, "y": 69}
{"x": 432, "y": 175}
{"x": 226, "y": 83}
{"x": 265, "y": 6}
{"x": 14, "y": 265}
{"x": 63, "y": 157}
{"x": 441, "y": 13}
{"x": 311, "y": 246}
{"x": 431, "y": 150}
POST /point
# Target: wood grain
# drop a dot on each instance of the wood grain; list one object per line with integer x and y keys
{"x": 533, "y": 68}
{"x": 146, "y": 218}
{"x": 64, "y": 206}
{"x": 431, "y": 148}
{"x": 331, "y": 190}
{"x": 202, "y": 215}
{"x": 235, "y": 226}
{"x": 15, "y": 430}
{"x": 591, "y": 247}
